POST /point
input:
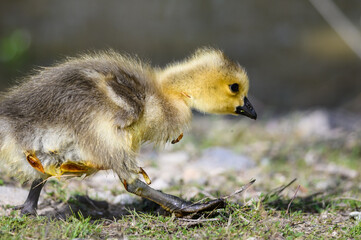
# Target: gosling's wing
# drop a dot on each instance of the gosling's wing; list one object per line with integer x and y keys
{"x": 128, "y": 93}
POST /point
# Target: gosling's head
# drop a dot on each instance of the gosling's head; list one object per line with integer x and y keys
{"x": 210, "y": 82}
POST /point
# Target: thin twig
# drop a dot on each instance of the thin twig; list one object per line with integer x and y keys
{"x": 42, "y": 182}
{"x": 242, "y": 189}
{"x": 293, "y": 198}
{"x": 283, "y": 188}
{"x": 340, "y": 23}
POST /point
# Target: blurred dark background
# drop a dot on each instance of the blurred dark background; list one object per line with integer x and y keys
{"x": 294, "y": 58}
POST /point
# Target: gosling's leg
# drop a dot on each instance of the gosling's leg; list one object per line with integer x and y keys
{"x": 31, "y": 203}
{"x": 171, "y": 203}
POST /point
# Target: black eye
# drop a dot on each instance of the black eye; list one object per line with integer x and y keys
{"x": 234, "y": 87}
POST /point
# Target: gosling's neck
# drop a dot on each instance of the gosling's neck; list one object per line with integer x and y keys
{"x": 175, "y": 87}
{"x": 175, "y": 91}
{"x": 186, "y": 81}
{"x": 177, "y": 84}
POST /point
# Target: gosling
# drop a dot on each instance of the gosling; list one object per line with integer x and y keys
{"x": 93, "y": 113}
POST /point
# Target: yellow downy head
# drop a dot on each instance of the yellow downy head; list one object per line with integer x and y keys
{"x": 209, "y": 82}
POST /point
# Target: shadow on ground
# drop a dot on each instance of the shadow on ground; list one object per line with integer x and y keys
{"x": 87, "y": 207}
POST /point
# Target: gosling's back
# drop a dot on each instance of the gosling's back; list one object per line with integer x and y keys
{"x": 54, "y": 112}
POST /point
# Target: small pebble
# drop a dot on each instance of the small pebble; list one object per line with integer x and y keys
{"x": 124, "y": 199}
{"x": 356, "y": 215}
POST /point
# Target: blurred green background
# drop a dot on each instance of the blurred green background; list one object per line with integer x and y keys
{"x": 294, "y": 58}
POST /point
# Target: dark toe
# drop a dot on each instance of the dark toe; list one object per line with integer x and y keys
{"x": 18, "y": 207}
{"x": 26, "y": 210}
{"x": 191, "y": 208}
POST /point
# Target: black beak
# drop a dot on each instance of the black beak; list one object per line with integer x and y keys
{"x": 247, "y": 109}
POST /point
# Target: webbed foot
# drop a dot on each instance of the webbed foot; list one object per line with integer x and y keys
{"x": 172, "y": 203}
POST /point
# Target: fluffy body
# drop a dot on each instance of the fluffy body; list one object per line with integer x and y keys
{"x": 98, "y": 109}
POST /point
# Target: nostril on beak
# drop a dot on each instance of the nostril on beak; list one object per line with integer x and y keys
{"x": 249, "y": 106}
{"x": 247, "y": 109}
